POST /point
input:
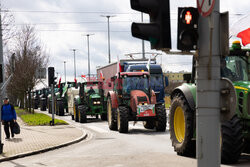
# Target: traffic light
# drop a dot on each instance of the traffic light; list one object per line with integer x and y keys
{"x": 51, "y": 75}
{"x": 187, "y": 28}
{"x": 158, "y": 30}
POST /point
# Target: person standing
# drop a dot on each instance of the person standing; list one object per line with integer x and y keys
{"x": 8, "y": 118}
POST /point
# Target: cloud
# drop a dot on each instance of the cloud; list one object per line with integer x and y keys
{"x": 59, "y": 43}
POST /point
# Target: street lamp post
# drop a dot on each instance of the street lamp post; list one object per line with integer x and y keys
{"x": 65, "y": 70}
{"x": 143, "y": 46}
{"x": 74, "y": 50}
{"x": 87, "y": 35}
{"x": 108, "y": 17}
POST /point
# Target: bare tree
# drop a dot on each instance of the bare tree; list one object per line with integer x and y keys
{"x": 29, "y": 57}
{"x": 8, "y": 28}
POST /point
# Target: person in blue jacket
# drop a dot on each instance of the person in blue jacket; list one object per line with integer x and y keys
{"x": 8, "y": 117}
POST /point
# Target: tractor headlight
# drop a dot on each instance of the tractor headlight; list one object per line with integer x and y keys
{"x": 145, "y": 103}
{"x": 94, "y": 102}
{"x": 98, "y": 102}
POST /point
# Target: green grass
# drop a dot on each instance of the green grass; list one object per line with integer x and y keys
{"x": 37, "y": 119}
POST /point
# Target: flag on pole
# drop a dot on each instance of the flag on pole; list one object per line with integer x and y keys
{"x": 101, "y": 75}
{"x": 119, "y": 68}
{"x": 75, "y": 80}
{"x": 245, "y": 36}
{"x": 59, "y": 83}
{"x": 84, "y": 78}
{"x": 148, "y": 64}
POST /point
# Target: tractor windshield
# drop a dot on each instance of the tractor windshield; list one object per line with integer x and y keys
{"x": 91, "y": 87}
{"x": 135, "y": 83}
{"x": 236, "y": 68}
{"x": 156, "y": 81}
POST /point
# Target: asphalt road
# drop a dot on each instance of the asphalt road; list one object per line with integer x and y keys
{"x": 105, "y": 148}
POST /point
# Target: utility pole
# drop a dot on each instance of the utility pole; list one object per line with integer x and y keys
{"x": 65, "y": 71}
{"x": 143, "y": 45}
{"x": 208, "y": 90}
{"x": 2, "y": 78}
{"x": 108, "y": 17}
{"x": 88, "y": 54}
{"x": 74, "y": 51}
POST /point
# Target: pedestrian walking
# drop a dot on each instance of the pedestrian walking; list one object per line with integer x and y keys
{"x": 8, "y": 118}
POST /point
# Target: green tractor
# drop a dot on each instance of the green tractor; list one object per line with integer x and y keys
{"x": 62, "y": 97}
{"x": 91, "y": 101}
{"x": 43, "y": 99}
{"x": 36, "y": 99}
{"x": 235, "y": 136}
{"x": 49, "y": 99}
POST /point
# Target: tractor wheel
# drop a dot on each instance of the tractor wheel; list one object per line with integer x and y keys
{"x": 43, "y": 105}
{"x": 161, "y": 121}
{"x": 111, "y": 116}
{"x": 150, "y": 124}
{"x": 36, "y": 105}
{"x": 122, "y": 119}
{"x": 82, "y": 113}
{"x": 231, "y": 140}
{"x": 181, "y": 122}
{"x": 72, "y": 117}
{"x": 57, "y": 108}
{"x": 103, "y": 116}
{"x": 50, "y": 108}
{"x": 97, "y": 116}
{"x": 76, "y": 114}
{"x": 60, "y": 108}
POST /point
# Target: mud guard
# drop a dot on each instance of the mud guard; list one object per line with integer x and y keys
{"x": 186, "y": 92}
{"x": 113, "y": 97}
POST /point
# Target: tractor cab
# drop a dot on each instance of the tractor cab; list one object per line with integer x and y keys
{"x": 236, "y": 66}
{"x": 129, "y": 81}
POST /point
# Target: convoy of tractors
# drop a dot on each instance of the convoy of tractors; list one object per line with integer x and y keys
{"x": 133, "y": 90}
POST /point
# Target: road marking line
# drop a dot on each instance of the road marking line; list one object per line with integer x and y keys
{"x": 100, "y": 130}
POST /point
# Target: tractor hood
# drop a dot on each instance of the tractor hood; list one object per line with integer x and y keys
{"x": 95, "y": 96}
{"x": 243, "y": 85}
{"x": 138, "y": 97}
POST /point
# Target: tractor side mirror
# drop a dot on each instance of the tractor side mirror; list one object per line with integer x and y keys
{"x": 166, "y": 81}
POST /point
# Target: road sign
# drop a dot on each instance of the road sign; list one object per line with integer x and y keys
{"x": 205, "y": 7}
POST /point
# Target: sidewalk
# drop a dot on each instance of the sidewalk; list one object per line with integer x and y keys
{"x": 36, "y": 139}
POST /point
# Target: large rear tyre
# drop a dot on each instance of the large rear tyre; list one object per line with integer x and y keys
{"x": 181, "y": 122}
{"x": 60, "y": 108}
{"x": 122, "y": 119}
{"x": 103, "y": 116}
{"x": 161, "y": 121}
{"x": 43, "y": 105}
{"x": 111, "y": 116}
{"x": 76, "y": 114}
{"x": 150, "y": 124}
{"x": 50, "y": 107}
{"x": 83, "y": 113}
{"x": 231, "y": 140}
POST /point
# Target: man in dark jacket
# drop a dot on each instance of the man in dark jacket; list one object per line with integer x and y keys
{"x": 8, "y": 118}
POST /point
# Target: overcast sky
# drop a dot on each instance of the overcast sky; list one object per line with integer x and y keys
{"x": 64, "y": 28}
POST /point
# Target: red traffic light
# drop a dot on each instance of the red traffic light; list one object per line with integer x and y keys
{"x": 188, "y": 17}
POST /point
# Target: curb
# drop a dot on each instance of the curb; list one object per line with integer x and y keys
{"x": 84, "y": 136}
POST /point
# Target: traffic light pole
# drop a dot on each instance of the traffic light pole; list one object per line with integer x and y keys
{"x": 53, "y": 105}
{"x": 208, "y": 91}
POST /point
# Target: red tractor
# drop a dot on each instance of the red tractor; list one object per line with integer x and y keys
{"x": 132, "y": 99}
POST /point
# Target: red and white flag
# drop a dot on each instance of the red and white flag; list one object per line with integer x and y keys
{"x": 59, "y": 83}
{"x": 101, "y": 75}
{"x": 119, "y": 68}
